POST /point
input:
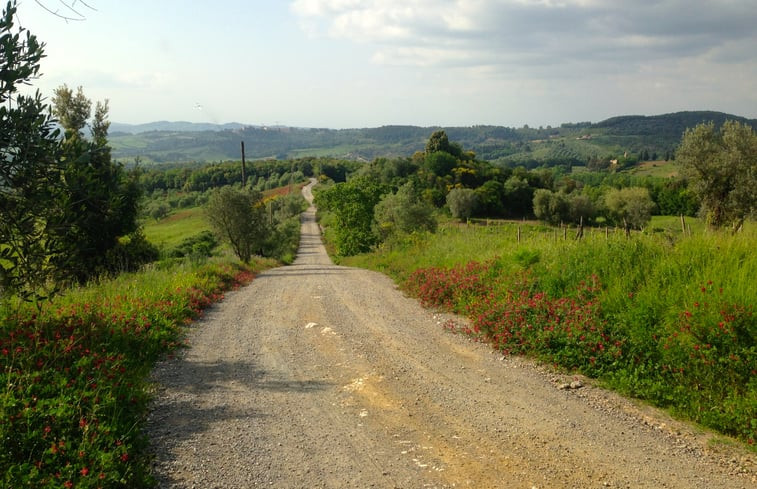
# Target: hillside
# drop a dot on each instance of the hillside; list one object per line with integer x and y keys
{"x": 571, "y": 143}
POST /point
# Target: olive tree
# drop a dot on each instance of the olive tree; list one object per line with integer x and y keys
{"x": 238, "y": 217}
{"x": 721, "y": 166}
{"x": 29, "y": 173}
{"x": 631, "y": 206}
{"x": 462, "y": 202}
{"x": 403, "y": 212}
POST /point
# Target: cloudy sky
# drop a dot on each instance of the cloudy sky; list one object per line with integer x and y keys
{"x": 367, "y": 63}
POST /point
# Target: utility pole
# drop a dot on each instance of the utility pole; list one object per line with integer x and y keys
{"x": 244, "y": 174}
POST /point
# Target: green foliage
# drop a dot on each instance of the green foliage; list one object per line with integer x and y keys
{"x": 71, "y": 110}
{"x": 631, "y": 206}
{"x": 196, "y": 178}
{"x": 130, "y": 253}
{"x": 197, "y": 245}
{"x": 490, "y": 199}
{"x": 29, "y": 172}
{"x": 438, "y": 141}
{"x": 75, "y": 375}
{"x": 462, "y": 202}
{"x": 238, "y": 217}
{"x": 171, "y": 231}
{"x": 440, "y": 163}
{"x": 551, "y": 207}
{"x": 352, "y": 204}
{"x": 403, "y": 212}
{"x": 722, "y": 168}
{"x": 284, "y": 239}
{"x": 560, "y": 207}
{"x": 100, "y": 199}
{"x": 518, "y": 196}
{"x": 65, "y": 203}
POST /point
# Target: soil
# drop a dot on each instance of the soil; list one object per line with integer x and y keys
{"x": 322, "y": 376}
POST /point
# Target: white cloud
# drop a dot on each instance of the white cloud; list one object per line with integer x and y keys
{"x": 549, "y": 33}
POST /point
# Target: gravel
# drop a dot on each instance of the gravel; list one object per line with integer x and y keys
{"x": 321, "y": 376}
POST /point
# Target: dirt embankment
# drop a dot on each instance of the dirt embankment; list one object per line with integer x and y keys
{"x": 320, "y": 376}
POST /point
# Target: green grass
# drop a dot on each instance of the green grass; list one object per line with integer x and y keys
{"x": 666, "y": 317}
{"x": 660, "y": 169}
{"x": 171, "y": 230}
{"x": 672, "y": 225}
{"x": 74, "y": 384}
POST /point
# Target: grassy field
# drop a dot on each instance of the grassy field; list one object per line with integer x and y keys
{"x": 661, "y": 316}
{"x": 171, "y": 230}
{"x": 661, "y": 169}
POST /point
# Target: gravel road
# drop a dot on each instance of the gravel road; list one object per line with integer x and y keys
{"x": 321, "y": 376}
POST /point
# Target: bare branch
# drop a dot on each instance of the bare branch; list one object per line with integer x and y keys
{"x": 70, "y": 10}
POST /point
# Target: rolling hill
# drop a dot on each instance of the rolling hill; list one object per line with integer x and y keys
{"x": 571, "y": 143}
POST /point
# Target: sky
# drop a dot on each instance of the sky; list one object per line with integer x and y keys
{"x": 369, "y": 63}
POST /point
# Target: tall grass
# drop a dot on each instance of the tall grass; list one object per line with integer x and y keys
{"x": 661, "y": 316}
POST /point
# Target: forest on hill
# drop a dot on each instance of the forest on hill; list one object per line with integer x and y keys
{"x": 638, "y": 138}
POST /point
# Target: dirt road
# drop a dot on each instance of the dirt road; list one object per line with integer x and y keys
{"x": 320, "y": 376}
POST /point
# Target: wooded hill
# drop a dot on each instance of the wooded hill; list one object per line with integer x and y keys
{"x": 635, "y": 137}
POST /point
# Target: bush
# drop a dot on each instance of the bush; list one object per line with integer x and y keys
{"x": 130, "y": 254}
{"x": 201, "y": 244}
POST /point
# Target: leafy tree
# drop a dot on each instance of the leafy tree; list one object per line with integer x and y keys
{"x": 100, "y": 199}
{"x": 29, "y": 175}
{"x": 722, "y": 169}
{"x": 490, "y": 199}
{"x": 462, "y": 202}
{"x": 631, "y": 206}
{"x": 71, "y": 109}
{"x": 518, "y": 198}
{"x": 582, "y": 208}
{"x": 352, "y": 204}
{"x": 440, "y": 163}
{"x": 438, "y": 141}
{"x": 551, "y": 207}
{"x": 403, "y": 213}
{"x": 238, "y": 217}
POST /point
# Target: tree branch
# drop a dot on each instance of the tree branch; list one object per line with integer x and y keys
{"x": 69, "y": 12}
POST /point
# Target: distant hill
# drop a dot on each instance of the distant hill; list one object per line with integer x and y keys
{"x": 571, "y": 143}
{"x": 666, "y": 125}
{"x": 117, "y": 127}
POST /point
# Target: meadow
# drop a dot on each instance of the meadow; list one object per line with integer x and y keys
{"x": 170, "y": 231}
{"x": 664, "y": 316}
